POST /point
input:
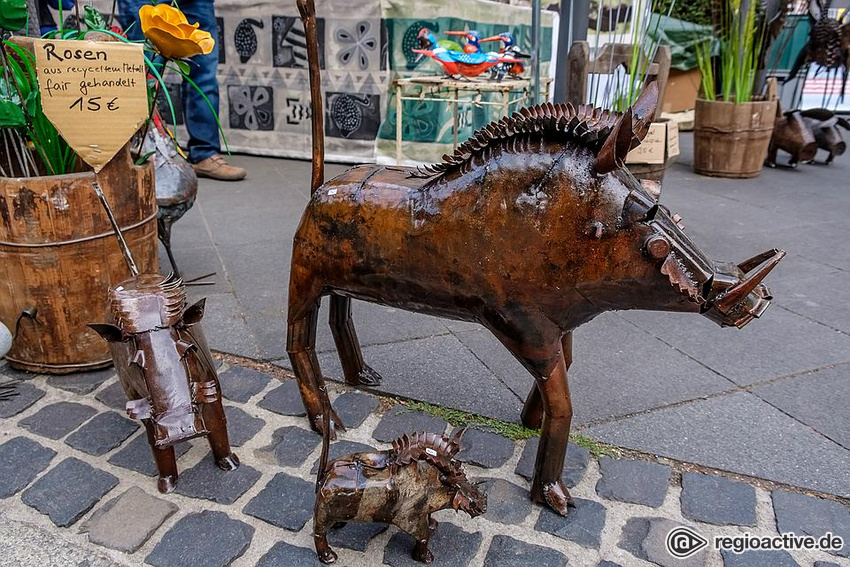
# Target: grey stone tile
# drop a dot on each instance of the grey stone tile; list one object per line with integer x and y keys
{"x": 822, "y": 297}
{"x": 575, "y": 462}
{"x": 506, "y": 551}
{"x": 718, "y": 500}
{"x": 241, "y": 426}
{"x": 283, "y": 553}
{"x": 825, "y": 564}
{"x": 355, "y": 535}
{"x": 285, "y": 400}
{"x": 135, "y": 507}
{"x": 240, "y": 384}
{"x": 803, "y": 514}
{"x": 21, "y": 459}
{"x": 497, "y": 358}
{"x": 400, "y": 421}
{"x": 484, "y": 448}
{"x": 291, "y": 445}
{"x": 737, "y": 433}
{"x": 583, "y": 524}
{"x": 340, "y": 449}
{"x": 27, "y": 395}
{"x": 81, "y": 383}
{"x": 818, "y": 399}
{"x": 758, "y": 558}
{"x": 354, "y": 407}
{"x": 136, "y": 455}
{"x": 205, "y": 480}
{"x": 638, "y": 482}
{"x": 645, "y": 538}
{"x": 195, "y": 262}
{"x": 57, "y": 420}
{"x": 507, "y": 503}
{"x": 68, "y": 490}
{"x": 113, "y": 396}
{"x": 451, "y": 546}
{"x": 226, "y": 329}
{"x": 608, "y": 564}
{"x": 102, "y": 433}
{"x": 285, "y": 502}
{"x": 207, "y": 538}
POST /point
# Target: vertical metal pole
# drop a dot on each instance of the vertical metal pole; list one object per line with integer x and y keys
{"x": 535, "y": 51}
{"x": 571, "y": 28}
{"x": 398, "y": 128}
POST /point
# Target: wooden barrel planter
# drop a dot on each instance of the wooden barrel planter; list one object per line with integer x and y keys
{"x": 731, "y": 139}
{"x": 58, "y": 257}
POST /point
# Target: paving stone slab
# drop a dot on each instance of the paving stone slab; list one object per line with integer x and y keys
{"x": 803, "y": 514}
{"x": 826, "y": 564}
{"x": 102, "y": 433}
{"x": 400, "y": 420}
{"x": 342, "y": 448}
{"x": 717, "y": 500}
{"x": 21, "y": 460}
{"x": 451, "y": 546}
{"x": 135, "y": 508}
{"x": 283, "y": 554}
{"x": 113, "y": 396}
{"x": 240, "y": 384}
{"x": 205, "y": 480}
{"x": 207, "y": 538}
{"x": 507, "y": 503}
{"x": 81, "y": 383}
{"x": 286, "y": 502}
{"x": 241, "y": 426}
{"x": 758, "y": 558}
{"x": 57, "y": 420}
{"x": 136, "y": 455}
{"x": 628, "y": 480}
{"x": 506, "y": 551}
{"x": 608, "y": 564}
{"x": 354, "y": 407}
{"x": 582, "y": 524}
{"x": 27, "y": 396}
{"x": 291, "y": 445}
{"x": 284, "y": 400}
{"x": 575, "y": 462}
{"x": 68, "y": 490}
{"x": 646, "y": 538}
{"x": 355, "y": 535}
{"x": 485, "y": 448}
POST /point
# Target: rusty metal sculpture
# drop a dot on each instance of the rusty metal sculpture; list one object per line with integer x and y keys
{"x": 828, "y": 45}
{"x": 792, "y": 134}
{"x": 166, "y": 369}
{"x": 824, "y": 123}
{"x": 532, "y": 228}
{"x": 402, "y": 486}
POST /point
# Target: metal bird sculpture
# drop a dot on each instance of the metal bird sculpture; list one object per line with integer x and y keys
{"x": 509, "y": 49}
{"x": 828, "y": 45}
{"x": 472, "y": 38}
{"x": 457, "y": 63}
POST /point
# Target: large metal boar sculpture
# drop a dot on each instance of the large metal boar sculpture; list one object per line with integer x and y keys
{"x": 166, "y": 369}
{"x": 531, "y": 228}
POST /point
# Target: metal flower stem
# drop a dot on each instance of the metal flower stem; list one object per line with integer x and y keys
{"x": 125, "y": 250}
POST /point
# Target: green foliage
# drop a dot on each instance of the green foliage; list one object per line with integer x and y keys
{"x": 461, "y": 418}
{"x": 13, "y": 14}
{"x": 11, "y": 109}
{"x": 93, "y": 18}
{"x": 694, "y": 11}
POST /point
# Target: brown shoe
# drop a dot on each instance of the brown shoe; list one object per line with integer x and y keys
{"x": 215, "y": 167}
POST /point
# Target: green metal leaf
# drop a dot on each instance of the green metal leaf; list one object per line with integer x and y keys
{"x": 93, "y": 19}
{"x": 13, "y": 14}
{"x": 182, "y": 65}
{"x": 11, "y": 113}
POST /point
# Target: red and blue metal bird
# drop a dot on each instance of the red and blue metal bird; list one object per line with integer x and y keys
{"x": 509, "y": 49}
{"x": 458, "y": 63}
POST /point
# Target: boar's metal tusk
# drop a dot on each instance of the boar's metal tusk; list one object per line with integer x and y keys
{"x": 748, "y": 265}
{"x": 736, "y": 294}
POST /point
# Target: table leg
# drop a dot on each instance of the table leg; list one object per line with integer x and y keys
{"x": 454, "y": 118}
{"x": 398, "y": 129}
{"x": 506, "y": 103}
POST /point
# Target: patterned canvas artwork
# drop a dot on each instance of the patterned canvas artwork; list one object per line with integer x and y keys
{"x": 352, "y": 116}
{"x": 289, "y": 48}
{"x": 251, "y": 107}
{"x": 222, "y": 56}
{"x": 245, "y": 38}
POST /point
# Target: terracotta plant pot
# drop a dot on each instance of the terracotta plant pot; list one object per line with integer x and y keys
{"x": 731, "y": 140}
{"x": 59, "y": 256}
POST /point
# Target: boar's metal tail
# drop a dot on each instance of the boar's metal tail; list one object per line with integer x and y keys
{"x": 307, "y": 9}
{"x": 326, "y": 436}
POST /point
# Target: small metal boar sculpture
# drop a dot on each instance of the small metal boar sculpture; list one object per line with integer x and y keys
{"x": 531, "y": 228}
{"x": 792, "y": 134}
{"x": 824, "y": 123}
{"x": 166, "y": 369}
{"x": 402, "y": 486}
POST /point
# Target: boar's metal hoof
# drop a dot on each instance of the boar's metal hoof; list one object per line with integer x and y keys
{"x": 368, "y": 377}
{"x": 229, "y": 463}
{"x": 166, "y": 484}
{"x": 328, "y": 557}
{"x": 558, "y": 497}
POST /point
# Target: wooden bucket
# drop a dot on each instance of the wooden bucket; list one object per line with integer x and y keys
{"x": 58, "y": 257}
{"x": 731, "y": 140}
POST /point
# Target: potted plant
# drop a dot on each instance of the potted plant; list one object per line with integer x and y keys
{"x": 732, "y": 123}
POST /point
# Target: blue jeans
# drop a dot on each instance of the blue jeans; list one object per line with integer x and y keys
{"x": 199, "y": 119}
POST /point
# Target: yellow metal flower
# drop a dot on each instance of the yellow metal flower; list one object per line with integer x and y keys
{"x": 172, "y": 34}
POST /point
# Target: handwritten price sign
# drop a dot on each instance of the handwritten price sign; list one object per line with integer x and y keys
{"x": 94, "y": 93}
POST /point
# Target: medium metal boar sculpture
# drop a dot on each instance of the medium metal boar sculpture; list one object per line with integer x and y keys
{"x": 792, "y": 134}
{"x": 402, "y": 486}
{"x": 166, "y": 369}
{"x": 532, "y": 228}
{"x": 824, "y": 123}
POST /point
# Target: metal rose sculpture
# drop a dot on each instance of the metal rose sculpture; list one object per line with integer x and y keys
{"x": 166, "y": 369}
{"x": 532, "y": 228}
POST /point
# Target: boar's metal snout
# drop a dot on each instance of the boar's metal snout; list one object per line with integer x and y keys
{"x": 748, "y": 298}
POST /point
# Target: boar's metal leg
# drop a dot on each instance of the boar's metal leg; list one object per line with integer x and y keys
{"x": 532, "y": 411}
{"x": 216, "y": 423}
{"x": 357, "y": 373}
{"x": 166, "y": 462}
{"x": 321, "y": 523}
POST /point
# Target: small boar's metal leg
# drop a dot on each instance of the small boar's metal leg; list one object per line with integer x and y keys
{"x": 321, "y": 523}
{"x": 216, "y": 423}
{"x": 166, "y": 462}
{"x": 422, "y": 533}
{"x": 357, "y": 373}
{"x": 532, "y": 411}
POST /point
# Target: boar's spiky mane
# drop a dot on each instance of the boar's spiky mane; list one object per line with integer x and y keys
{"x": 434, "y": 449}
{"x": 585, "y": 126}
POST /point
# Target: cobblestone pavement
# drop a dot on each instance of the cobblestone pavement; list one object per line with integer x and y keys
{"x": 77, "y": 488}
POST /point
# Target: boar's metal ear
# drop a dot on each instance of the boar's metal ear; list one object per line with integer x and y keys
{"x": 195, "y": 313}
{"x": 643, "y": 111}
{"x": 616, "y": 146}
{"x": 108, "y": 332}
{"x": 844, "y": 123}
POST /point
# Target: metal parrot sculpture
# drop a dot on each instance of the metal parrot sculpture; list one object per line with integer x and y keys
{"x": 828, "y": 45}
{"x": 458, "y": 63}
{"x": 472, "y": 37}
{"x": 509, "y": 49}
